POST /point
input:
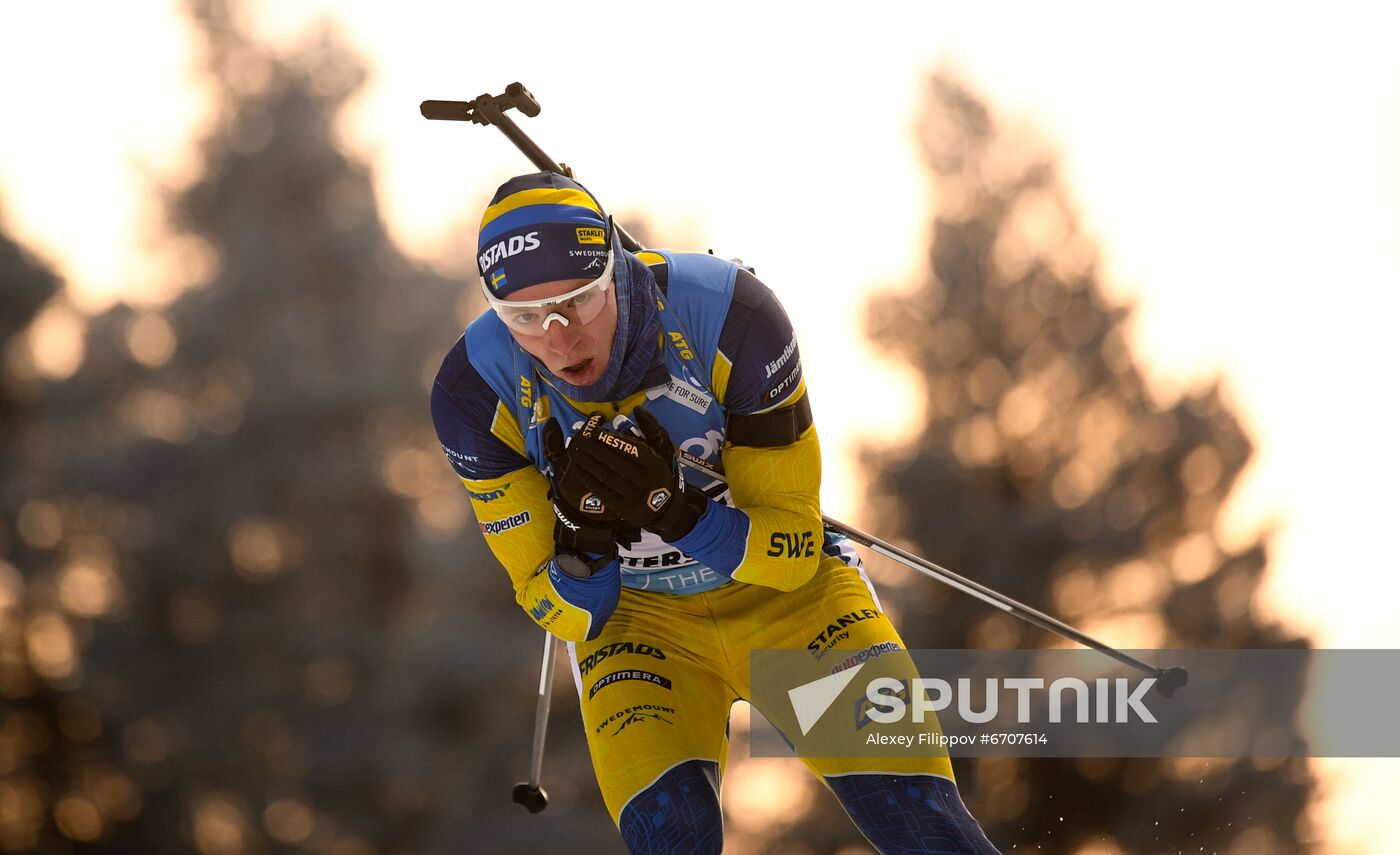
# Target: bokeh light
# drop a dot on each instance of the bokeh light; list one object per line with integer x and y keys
{"x": 227, "y": 274}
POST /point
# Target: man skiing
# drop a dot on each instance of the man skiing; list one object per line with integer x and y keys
{"x": 569, "y": 411}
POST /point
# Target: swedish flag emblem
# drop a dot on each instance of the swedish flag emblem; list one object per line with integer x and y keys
{"x": 498, "y": 280}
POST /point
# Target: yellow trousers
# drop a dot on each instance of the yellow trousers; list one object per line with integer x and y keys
{"x": 656, "y": 686}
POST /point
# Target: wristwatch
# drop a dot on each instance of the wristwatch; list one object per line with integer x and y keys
{"x": 578, "y": 565}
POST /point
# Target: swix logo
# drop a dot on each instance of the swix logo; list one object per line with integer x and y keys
{"x": 513, "y": 245}
{"x": 564, "y": 519}
{"x": 797, "y": 544}
{"x": 706, "y": 446}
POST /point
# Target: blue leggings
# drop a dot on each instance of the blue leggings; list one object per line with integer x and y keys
{"x": 679, "y": 814}
{"x": 911, "y": 814}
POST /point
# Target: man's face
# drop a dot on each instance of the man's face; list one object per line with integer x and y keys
{"x": 578, "y": 353}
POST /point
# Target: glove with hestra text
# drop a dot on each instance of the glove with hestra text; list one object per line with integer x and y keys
{"x": 638, "y": 478}
{"x": 584, "y": 525}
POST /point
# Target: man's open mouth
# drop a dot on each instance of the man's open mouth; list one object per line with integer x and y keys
{"x": 578, "y": 369}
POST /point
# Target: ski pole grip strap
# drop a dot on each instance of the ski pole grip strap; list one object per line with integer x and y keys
{"x": 772, "y": 429}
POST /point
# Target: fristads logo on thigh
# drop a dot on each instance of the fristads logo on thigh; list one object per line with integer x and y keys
{"x": 618, "y": 648}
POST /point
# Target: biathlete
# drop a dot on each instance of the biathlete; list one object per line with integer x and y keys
{"x": 568, "y": 410}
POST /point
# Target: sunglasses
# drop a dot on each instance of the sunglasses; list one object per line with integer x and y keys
{"x": 531, "y": 318}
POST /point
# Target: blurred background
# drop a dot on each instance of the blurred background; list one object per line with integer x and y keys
{"x": 1095, "y": 303}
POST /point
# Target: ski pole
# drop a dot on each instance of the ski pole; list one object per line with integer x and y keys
{"x": 491, "y": 110}
{"x": 1168, "y": 679}
{"x": 530, "y": 793}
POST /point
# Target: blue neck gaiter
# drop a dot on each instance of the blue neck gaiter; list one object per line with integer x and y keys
{"x": 636, "y": 361}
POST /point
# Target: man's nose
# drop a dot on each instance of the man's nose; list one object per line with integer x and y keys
{"x": 561, "y": 337}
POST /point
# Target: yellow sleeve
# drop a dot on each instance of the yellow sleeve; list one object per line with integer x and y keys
{"x": 780, "y": 491}
{"x": 517, "y": 519}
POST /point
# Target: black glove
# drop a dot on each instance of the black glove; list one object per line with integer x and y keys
{"x": 638, "y": 479}
{"x": 582, "y": 522}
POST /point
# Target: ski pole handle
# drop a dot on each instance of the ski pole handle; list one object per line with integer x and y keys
{"x": 491, "y": 110}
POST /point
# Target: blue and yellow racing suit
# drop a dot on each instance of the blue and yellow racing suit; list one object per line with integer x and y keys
{"x": 657, "y": 679}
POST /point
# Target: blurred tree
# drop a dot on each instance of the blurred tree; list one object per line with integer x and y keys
{"x": 34, "y": 760}
{"x": 1046, "y": 470}
{"x": 261, "y": 613}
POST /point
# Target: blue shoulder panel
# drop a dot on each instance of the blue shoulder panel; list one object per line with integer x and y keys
{"x": 504, "y": 366}
{"x": 492, "y": 351}
{"x": 463, "y": 407}
{"x": 699, "y": 291}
